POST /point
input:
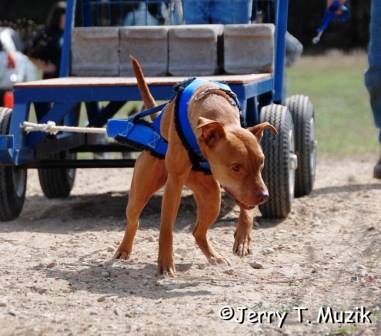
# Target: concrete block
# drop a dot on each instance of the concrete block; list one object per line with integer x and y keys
{"x": 193, "y": 49}
{"x": 149, "y": 45}
{"x": 95, "y": 51}
{"x": 248, "y": 48}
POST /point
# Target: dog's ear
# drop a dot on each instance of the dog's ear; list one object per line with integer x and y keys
{"x": 209, "y": 131}
{"x": 258, "y": 130}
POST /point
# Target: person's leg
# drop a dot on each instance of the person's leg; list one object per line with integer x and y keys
{"x": 373, "y": 74}
{"x": 232, "y": 11}
{"x": 196, "y": 11}
{"x": 140, "y": 16}
{"x": 294, "y": 49}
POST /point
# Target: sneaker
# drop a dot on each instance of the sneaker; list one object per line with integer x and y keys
{"x": 377, "y": 170}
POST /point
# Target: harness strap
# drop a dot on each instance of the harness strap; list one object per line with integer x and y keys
{"x": 145, "y": 113}
{"x": 198, "y": 161}
{"x": 139, "y": 133}
{"x": 232, "y": 97}
{"x": 183, "y": 126}
{"x": 189, "y": 138}
{"x": 146, "y": 135}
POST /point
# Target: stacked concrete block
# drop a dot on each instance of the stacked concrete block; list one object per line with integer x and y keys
{"x": 95, "y": 51}
{"x": 193, "y": 49}
{"x": 248, "y": 48}
{"x": 149, "y": 45}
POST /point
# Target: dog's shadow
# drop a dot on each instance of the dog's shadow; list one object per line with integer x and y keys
{"x": 91, "y": 212}
{"x": 115, "y": 279}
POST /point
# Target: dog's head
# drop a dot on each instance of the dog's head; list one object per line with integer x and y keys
{"x": 236, "y": 159}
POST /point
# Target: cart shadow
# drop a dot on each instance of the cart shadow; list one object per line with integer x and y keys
{"x": 112, "y": 279}
{"x": 349, "y": 188}
{"x": 102, "y": 211}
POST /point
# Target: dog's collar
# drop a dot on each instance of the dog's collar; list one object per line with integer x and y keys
{"x": 183, "y": 125}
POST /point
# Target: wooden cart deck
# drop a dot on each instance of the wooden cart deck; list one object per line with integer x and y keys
{"x": 131, "y": 81}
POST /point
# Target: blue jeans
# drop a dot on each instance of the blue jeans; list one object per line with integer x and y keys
{"x": 373, "y": 74}
{"x": 217, "y": 11}
{"x": 140, "y": 17}
{"x": 294, "y": 49}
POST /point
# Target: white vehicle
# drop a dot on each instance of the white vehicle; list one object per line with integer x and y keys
{"x": 15, "y": 67}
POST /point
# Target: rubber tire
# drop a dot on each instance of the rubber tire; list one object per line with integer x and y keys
{"x": 303, "y": 114}
{"x": 12, "y": 197}
{"x": 276, "y": 172}
{"x": 57, "y": 182}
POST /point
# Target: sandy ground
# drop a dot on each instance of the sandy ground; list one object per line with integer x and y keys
{"x": 57, "y": 276}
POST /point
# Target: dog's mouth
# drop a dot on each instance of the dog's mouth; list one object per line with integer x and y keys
{"x": 241, "y": 204}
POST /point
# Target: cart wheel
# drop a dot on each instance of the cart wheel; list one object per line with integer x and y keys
{"x": 57, "y": 182}
{"x": 12, "y": 179}
{"x": 280, "y": 162}
{"x": 302, "y": 112}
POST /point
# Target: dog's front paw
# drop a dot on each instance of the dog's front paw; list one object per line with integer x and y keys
{"x": 218, "y": 260}
{"x": 122, "y": 253}
{"x": 166, "y": 267}
{"x": 241, "y": 245}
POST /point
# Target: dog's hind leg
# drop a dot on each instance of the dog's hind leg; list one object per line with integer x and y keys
{"x": 207, "y": 195}
{"x": 149, "y": 176}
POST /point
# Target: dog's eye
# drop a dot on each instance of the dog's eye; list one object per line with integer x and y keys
{"x": 236, "y": 167}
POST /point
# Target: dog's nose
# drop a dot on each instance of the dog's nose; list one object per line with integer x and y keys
{"x": 263, "y": 196}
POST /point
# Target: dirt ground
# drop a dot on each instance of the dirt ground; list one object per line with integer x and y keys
{"x": 58, "y": 277}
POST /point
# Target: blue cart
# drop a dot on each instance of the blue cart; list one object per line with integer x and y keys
{"x": 290, "y": 156}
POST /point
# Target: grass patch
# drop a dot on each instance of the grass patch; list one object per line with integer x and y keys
{"x": 343, "y": 115}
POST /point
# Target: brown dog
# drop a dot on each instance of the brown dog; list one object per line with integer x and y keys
{"x": 235, "y": 158}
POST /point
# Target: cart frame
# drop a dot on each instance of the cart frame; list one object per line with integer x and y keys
{"x": 58, "y": 100}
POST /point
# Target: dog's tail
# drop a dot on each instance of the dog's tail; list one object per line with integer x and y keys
{"x": 145, "y": 93}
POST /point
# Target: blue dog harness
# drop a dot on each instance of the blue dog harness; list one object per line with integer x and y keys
{"x": 141, "y": 134}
